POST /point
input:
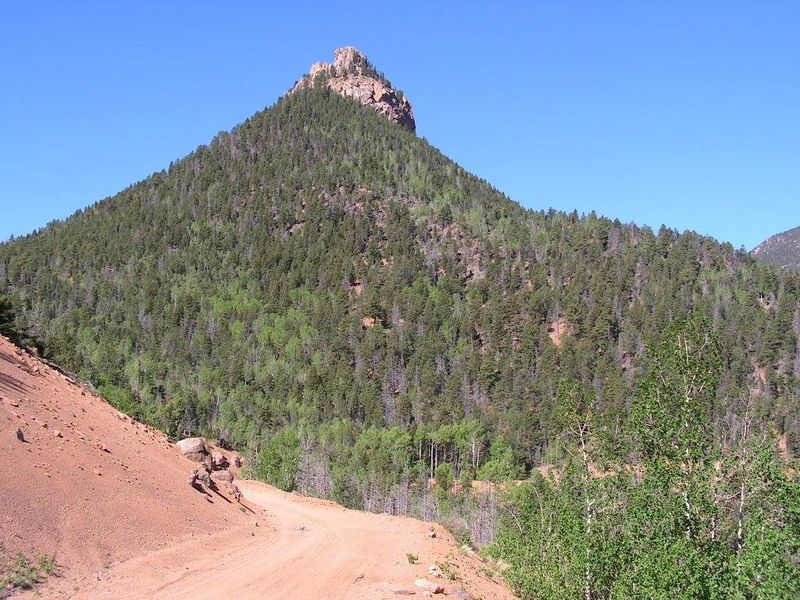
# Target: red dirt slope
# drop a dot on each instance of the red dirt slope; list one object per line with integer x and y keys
{"x": 88, "y": 484}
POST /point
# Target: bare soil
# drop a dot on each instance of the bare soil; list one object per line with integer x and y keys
{"x": 299, "y": 548}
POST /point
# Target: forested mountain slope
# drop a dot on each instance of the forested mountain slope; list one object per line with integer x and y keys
{"x": 320, "y": 268}
{"x": 781, "y": 250}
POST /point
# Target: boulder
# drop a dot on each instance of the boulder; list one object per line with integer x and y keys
{"x": 218, "y": 460}
{"x": 208, "y": 463}
{"x": 223, "y": 476}
{"x": 193, "y": 449}
{"x": 203, "y": 478}
{"x": 235, "y": 492}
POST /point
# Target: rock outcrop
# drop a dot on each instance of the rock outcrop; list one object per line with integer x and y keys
{"x": 351, "y": 75}
{"x": 212, "y": 473}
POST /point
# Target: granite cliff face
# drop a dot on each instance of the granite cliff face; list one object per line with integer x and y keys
{"x": 351, "y": 75}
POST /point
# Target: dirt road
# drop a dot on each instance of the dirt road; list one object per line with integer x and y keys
{"x": 302, "y": 548}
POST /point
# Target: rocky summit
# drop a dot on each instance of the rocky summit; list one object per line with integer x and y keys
{"x": 351, "y": 75}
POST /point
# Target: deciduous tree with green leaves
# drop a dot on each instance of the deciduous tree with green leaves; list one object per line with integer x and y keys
{"x": 687, "y": 512}
{"x": 278, "y": 460}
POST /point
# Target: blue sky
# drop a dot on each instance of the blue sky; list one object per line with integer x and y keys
{"x": 681, "y": 113}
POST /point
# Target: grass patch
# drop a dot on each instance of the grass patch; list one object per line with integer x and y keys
{"x": 412, "y": 558}
{"x": 448, "y": 571}
{"x": 486, "y": 572}
{"x": 19, "y": 572}
{"x": 46, "y": 563}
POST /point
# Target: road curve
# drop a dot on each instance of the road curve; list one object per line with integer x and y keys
{"x": 295, "y": 548}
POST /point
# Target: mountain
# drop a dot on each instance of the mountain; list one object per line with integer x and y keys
{"x": 321, "y": 286}
{"x": 781, "y": 250}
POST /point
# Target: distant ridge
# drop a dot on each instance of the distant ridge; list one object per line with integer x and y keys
{"x": 780, "y": 250}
